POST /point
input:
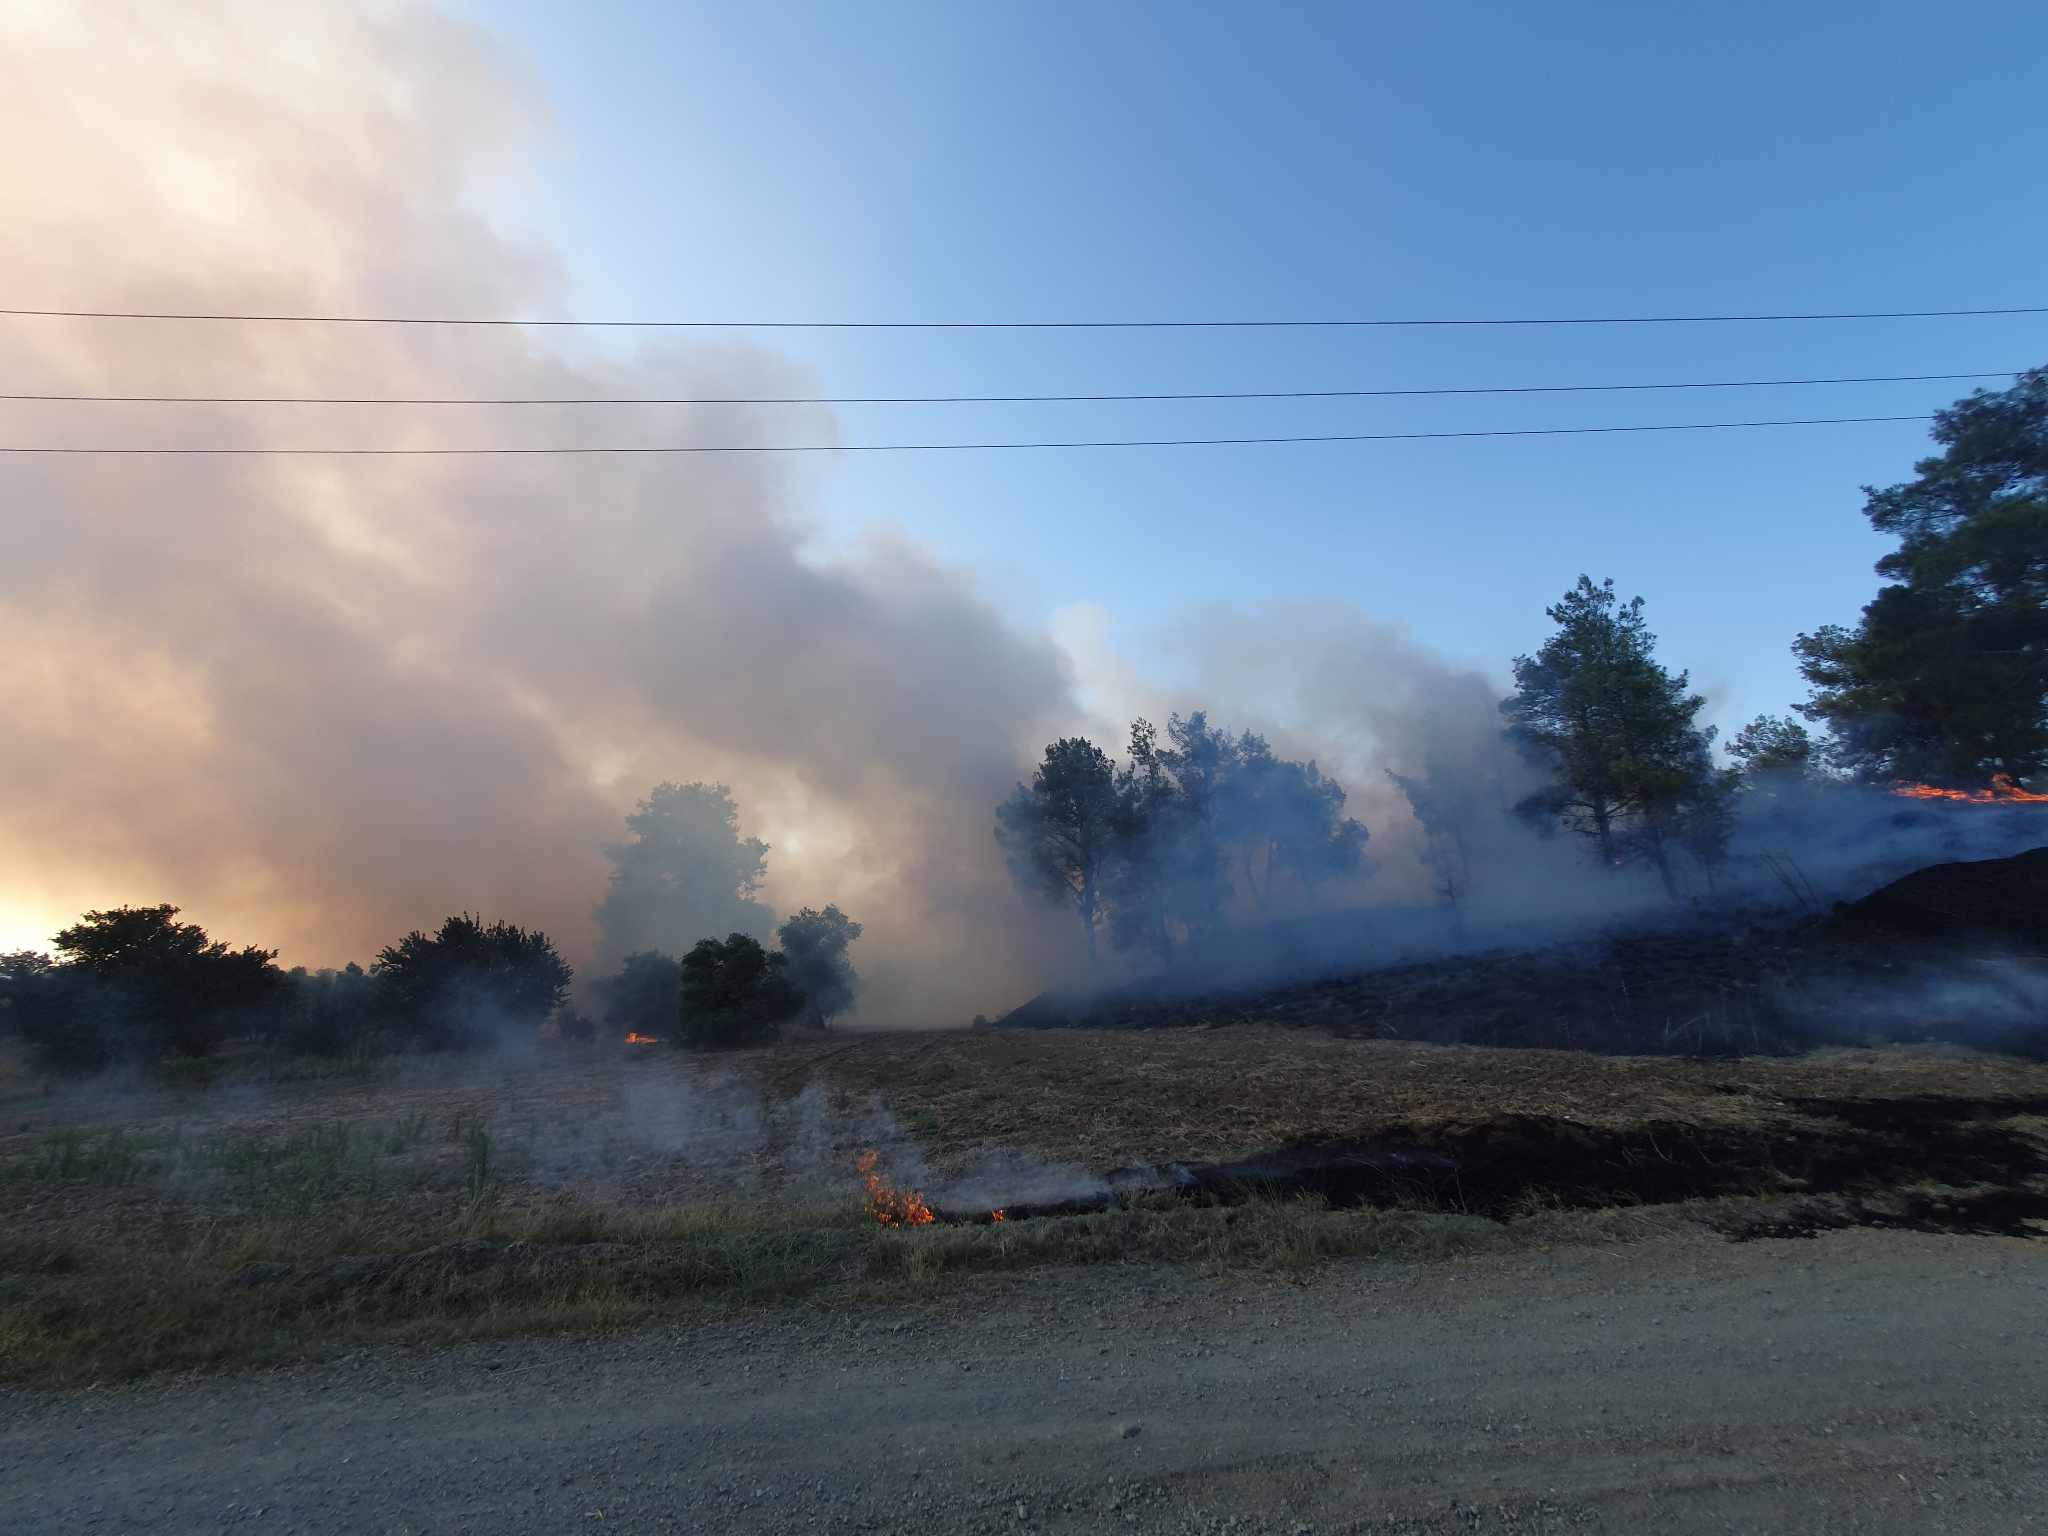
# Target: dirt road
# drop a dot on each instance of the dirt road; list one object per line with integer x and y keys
{"x": 1863, "y": 1381}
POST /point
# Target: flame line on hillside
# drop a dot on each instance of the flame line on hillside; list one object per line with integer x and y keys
{"x": 2004, "y": 790}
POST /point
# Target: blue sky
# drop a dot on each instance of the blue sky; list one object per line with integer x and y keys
{"x": 1162, "y": 161}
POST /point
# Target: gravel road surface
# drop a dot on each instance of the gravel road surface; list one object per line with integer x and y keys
{"x": 1862, "y": 1381}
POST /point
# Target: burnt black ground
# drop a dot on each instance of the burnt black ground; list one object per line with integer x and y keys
{"x": 1860, "y": 1382}
{"x": 1984, "y": 1153}
{"x": 1954, "y": 952}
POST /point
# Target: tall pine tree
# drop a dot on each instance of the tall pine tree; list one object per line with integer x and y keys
{"x": 1946, "y": 677}
{"x": 1630, "y": 768}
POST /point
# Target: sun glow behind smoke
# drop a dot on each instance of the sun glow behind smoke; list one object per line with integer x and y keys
{"x": 21, "y": 930}
{"x": 316, "y": 704}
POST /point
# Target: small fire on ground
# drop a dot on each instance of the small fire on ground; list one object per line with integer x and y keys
{"x": 636, "y": 1038}
{"x": 890, "y": 1206}
{"x": 893, "y": 1207}
{"x": 2003, "y": 791}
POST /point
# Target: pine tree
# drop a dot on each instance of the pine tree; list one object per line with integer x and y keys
{"x": 1946, "y": 677}
{"x": 1058, "y": 830}
{"x": 1631, "y": 770}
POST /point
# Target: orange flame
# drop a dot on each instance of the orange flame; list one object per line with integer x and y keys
{"x": 634, "y": 1037}
{"x": 2003, "y": 791}
{"x": 998, "y": 1214}
{"x": 890, "y": 1206}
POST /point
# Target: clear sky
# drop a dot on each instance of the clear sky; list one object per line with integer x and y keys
{"x": 1174, "y": 160}
{"x": 1132, "y": 161}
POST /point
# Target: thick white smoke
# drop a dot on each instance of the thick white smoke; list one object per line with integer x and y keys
{"x": 319, "y": 702}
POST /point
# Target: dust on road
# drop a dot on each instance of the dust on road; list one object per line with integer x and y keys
{"x": 1863, "y": 1381}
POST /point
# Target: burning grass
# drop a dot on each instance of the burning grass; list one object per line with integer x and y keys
{"x": 2003, "y": 790}
{"x": 150, "y": 1227}
{"x": 888, "y": 1205}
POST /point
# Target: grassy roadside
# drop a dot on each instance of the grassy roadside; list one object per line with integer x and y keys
{"x": 82, "y": 1312}
{"x": 145, "y": 1228}
{"x": 77, "y": 1313}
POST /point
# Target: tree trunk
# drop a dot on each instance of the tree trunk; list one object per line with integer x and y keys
{"x": 1662, "y": 857}
{"x": 1603, "y": 829}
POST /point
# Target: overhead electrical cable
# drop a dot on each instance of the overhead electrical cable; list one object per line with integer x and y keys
{"x": 1159, "y": 395}
{"x": 1125, "y": 442}
{"x": 1023, "y": 325}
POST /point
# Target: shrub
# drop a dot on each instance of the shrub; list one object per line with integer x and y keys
{"x": 816, "y": 944}
{"x": 133, "y": 983}
{"x": 471, "y": 983}
{"x": 645, "y": 996}
{"x": 734, "y": 992}
{"x": 330, "y": 1013}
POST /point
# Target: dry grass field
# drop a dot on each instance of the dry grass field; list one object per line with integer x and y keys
{"x": 271, "y": 1210}
{"x": 1119, "y": 1097}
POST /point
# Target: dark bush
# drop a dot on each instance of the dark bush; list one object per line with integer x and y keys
{"x": 133, "y": 983}
{"x": 331, "y": 1013}
{"x": 570, "y": 1024}
{"x": 471, "y": 983}
{"x": 645, "y": 996}
{"x": 816, "y": 944}
{"x": 734, "y": 992}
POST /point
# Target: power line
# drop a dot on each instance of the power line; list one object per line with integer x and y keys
{"x": 1262, "y": 394}
{"x": 1125, "y": 442}
{"x": 1019, "y": 325}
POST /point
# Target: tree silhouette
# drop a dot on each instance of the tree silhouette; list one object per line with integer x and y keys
{"x": 471, "y": 982}
{"x": 734, "y": 992}
{"x": 645, "y": 994}
{"x": 135, "y": 983}
{"x": 1946, "y": 676}
{"x": 686, "y": 872}
{"x": 1059, "y": 830}
{"x": 815, "y": 944}
{"x": 1158, "y": 849}
{"x": 1772, "y": 747}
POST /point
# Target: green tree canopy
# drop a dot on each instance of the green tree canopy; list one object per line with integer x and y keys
{"x": 735, "y": 992}
{"x": 1630, "y": 768}
{"x": 1059, "y": 831}
{"x": 1772, "y": 747}
{"x": 1946, "y": 677}
{"x": 471, "y": 982}
{"x": 644, "y": 995}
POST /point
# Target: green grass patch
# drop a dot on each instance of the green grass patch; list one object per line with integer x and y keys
{"x": 293, "y": 1286}
{"x": 109, "y": 1158}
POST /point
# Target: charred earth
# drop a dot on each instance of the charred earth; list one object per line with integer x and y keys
{"x": 1954, "y": 952}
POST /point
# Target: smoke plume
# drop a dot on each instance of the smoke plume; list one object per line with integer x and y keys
{"x": 319, "y": 702}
